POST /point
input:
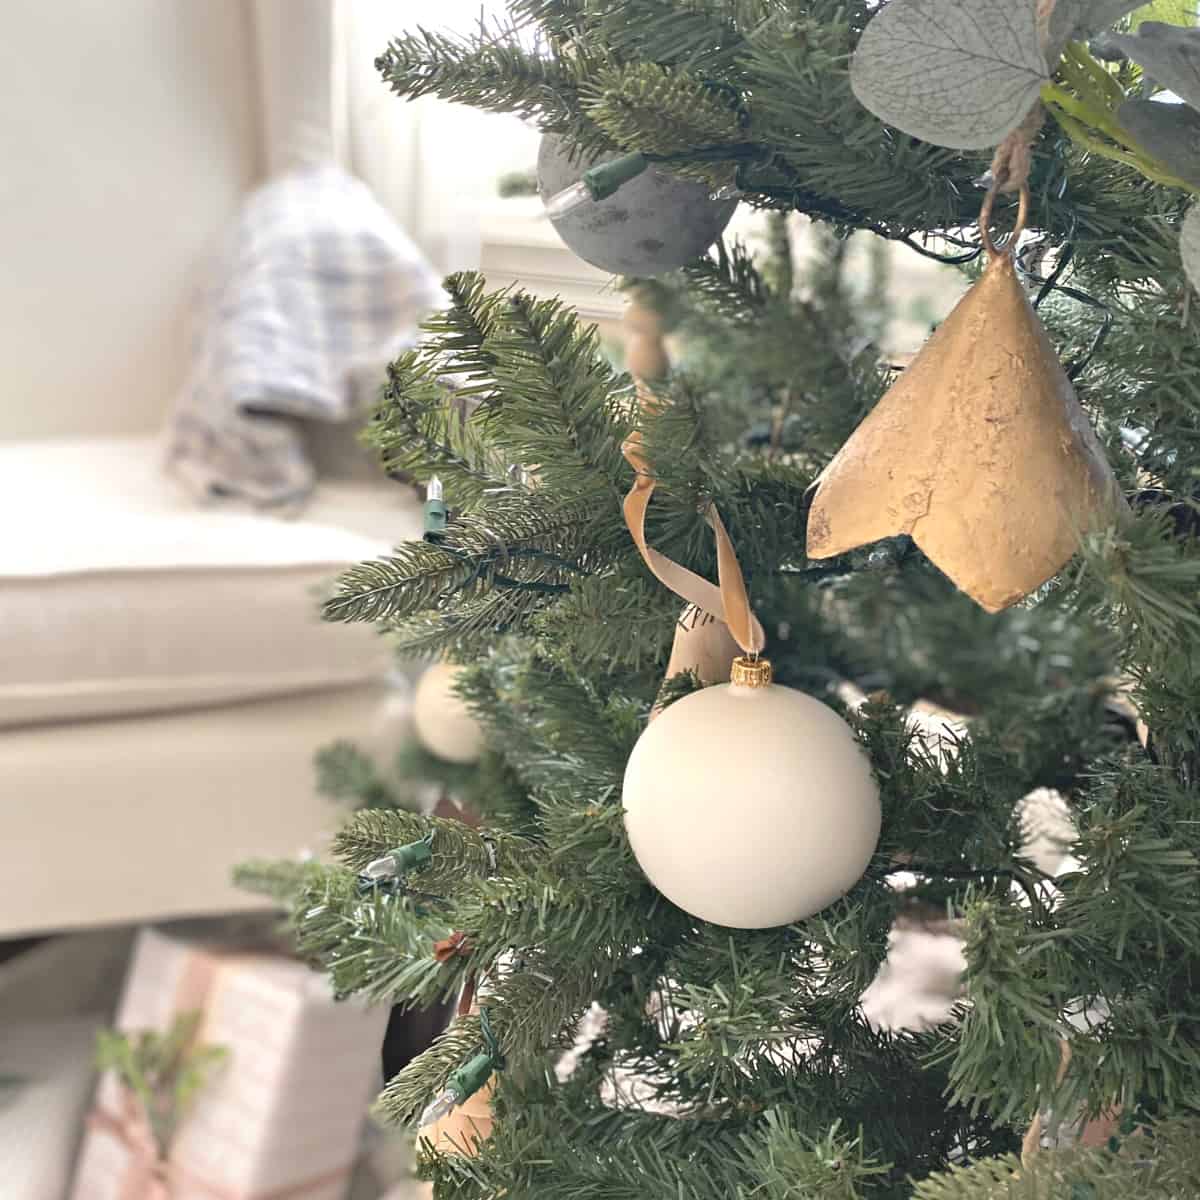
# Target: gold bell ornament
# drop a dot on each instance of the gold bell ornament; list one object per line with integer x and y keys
{"x": 979, "y": 452}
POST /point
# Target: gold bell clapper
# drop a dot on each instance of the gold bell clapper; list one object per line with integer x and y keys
{"x": 980, "y": 451}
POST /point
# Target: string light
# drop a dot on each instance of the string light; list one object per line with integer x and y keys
{"x": 601, "y": 181}
{"x": 598, "y": 183}
{"x": 469, "y": 1078}
{"x": 387, "y": 870}
{"x": 437, "y": 514}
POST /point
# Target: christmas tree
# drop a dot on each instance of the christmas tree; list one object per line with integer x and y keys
{"x": 630, "y": 1046}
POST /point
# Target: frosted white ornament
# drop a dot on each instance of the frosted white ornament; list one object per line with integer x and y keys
{"x": 445, "y": 725}
{"x": 655, "y": 222}
{"x": 749, "y": 804}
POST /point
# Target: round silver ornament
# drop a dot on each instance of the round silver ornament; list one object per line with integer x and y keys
{"x": 656, "y": 222}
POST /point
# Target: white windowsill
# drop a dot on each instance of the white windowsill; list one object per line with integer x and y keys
{"x": 519, "y": 245}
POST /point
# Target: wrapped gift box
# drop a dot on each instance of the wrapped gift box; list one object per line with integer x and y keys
{"x": 40, "y": 1115}
{"x": 281, "y": 1118}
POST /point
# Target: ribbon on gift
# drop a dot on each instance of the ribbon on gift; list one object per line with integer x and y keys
{"x": 727, "y": 602}
{"x": 146, "y": 1176}
{"x": 151, "y": 1177}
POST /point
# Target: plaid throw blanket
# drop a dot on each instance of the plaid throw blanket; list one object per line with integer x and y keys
{"x": 317, "y": 282}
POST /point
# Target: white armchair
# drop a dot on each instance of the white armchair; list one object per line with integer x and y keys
{"x": 164, "y": 679}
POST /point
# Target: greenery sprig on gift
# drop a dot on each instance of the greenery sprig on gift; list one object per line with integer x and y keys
{"x": 164, "y": 1071}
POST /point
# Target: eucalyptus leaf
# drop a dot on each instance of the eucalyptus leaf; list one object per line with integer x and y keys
{"x": 1170, "y": 132}
{"x": 957, "y": 73}
{"x": 1073, "y": 20}
{"x": 1189, "y": 245}
{"x": 1170, "y": 54}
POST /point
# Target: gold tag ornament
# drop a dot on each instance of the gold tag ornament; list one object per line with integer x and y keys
{"x": 703, "y": 645}
{"x": 980, "y": 451}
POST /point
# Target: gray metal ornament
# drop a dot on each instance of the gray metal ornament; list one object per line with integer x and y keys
{"x": 655, "y": 223}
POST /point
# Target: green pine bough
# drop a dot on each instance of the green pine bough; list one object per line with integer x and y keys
{"x": 739, "y": 1063}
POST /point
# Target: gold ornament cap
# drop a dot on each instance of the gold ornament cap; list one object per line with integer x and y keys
{"x": 750, "y": 672}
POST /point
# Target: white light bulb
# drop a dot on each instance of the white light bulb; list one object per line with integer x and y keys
{"x": 380, "y": 868}
{"x": 568, "y": 200}
{"x": 433, "y": 489}
{"x": 438, "y": 1108}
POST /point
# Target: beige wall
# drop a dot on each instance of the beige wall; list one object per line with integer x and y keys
{"x": 128, "y": 131}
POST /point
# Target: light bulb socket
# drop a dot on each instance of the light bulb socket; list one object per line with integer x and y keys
{"x": 415, "y": 854}
{"x": 750, "y": 672}
{"x": 597, "y": 183}
{"x": 437, "y": 518}
{"x": 471, "y": 1076}
{"x": 603, "y": 180}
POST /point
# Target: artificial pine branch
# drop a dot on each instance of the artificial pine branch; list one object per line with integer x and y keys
{"x": 494, "y": 71}
{"x": 558, "y": 403}
{"x": 627, "y": 101}
{"x": 467, "y": 628}
{"x": 345, "y": 773}
{"x": 461, "y": 330}
{"x": 282, "y": 881}
{"x": 1164, "y": 1166}
{"x": 458, "y": 850}
{"x": 376, "y": 945}
{"x": 729, "y": 286}
{"x": 413, "y": 576}
{"x": 705, "y": 36}
{"x": 1149, "y": 578}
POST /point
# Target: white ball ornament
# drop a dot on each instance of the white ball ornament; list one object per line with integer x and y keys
{"x": 445, "y": 726}
{"x": 653, "y": 223}
{"x": 749, "y": 804}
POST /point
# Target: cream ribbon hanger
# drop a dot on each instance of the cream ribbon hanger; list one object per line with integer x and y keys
{"x": 727, "y": 602}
